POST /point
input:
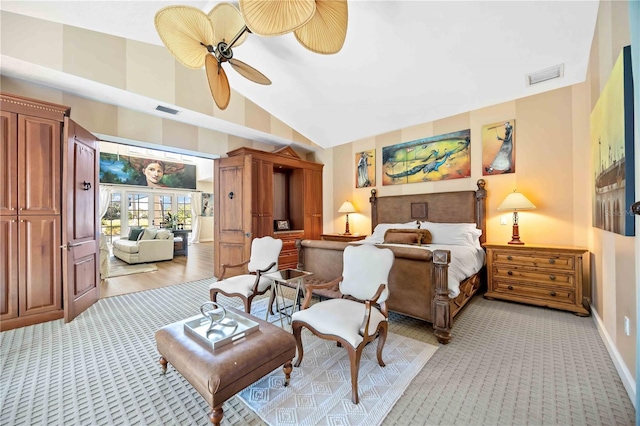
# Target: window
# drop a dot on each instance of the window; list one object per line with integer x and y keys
{"x": 161, "y": 206}
{"x": 184, "y": 210}
{"x": 110, "y": 223}
{"x": 138, "y": 210}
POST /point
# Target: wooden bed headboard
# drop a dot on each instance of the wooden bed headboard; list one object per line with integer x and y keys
{"x": 444, "y": 207}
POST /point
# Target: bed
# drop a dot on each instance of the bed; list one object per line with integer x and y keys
{"x": 419, "y": 282}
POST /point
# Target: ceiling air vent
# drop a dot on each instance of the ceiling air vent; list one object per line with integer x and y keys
{"x": 544, "y": 75}
{"x": 167, "y": 109}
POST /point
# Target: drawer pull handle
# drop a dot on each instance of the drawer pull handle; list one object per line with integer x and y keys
{"x": 509, "y": 272}
{"x": 552, "y": 293}
{"x": 510, "y": 287}
{"x": 509, "y": 258}
{"x": 552, "y": 277}
{"x": 552, "y": 261}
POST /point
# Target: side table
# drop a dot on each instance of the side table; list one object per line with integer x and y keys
{"x": 291, "y": 278}
{"x": 182, "y": 249}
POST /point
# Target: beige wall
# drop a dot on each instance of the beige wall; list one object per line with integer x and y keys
{"x": 553, "y": 169}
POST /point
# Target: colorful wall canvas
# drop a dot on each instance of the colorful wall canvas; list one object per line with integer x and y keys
{"x": 126, "y": 170}
{"x": 435, "y": 158}
{"x": 366, "y": 169}
{"x": 499, "y": 148}
{"x": 612, "y": 151}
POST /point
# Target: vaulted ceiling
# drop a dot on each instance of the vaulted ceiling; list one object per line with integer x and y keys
{"x": 403, "y": 62}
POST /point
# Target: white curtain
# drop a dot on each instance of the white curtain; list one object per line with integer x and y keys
{"x": 196, "y": 210}
{"x": 105, "y": 194}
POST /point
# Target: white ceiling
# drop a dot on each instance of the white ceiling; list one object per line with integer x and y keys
{"x": 403, "y": 62}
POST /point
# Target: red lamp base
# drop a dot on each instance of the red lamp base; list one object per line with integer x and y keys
{"x": 515, "y": 238}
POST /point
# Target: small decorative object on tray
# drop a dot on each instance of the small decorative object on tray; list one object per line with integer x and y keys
{"x": 217, "y": 327}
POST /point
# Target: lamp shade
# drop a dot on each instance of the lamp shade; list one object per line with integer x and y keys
{"x": 347, "y": 207}
{"x": 516, "y": 201}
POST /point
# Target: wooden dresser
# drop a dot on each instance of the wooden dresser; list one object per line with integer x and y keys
{"x": 552, "y": 276}
{"x": 289, "y": 254}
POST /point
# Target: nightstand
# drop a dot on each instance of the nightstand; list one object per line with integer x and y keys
{"x": 342, "y": 237}
{"x": 551, "y": 276}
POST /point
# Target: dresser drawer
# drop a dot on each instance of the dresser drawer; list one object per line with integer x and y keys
{"x": 539, "y": 276}
{"x": 288, "y": 261}
{"x": 557, "y": 295}
{"x": 540, "y": 260}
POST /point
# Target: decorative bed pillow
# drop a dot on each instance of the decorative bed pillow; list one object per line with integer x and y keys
{"x": 407, "y": 236}
{"x": 134, "y": 233}
{"x": 377, "y": 236}
{"x": 459, "y": 234}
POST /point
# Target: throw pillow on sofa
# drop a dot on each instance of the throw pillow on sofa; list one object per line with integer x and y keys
{"x": 149, "y": 234}
{"x": 134, "y": 233}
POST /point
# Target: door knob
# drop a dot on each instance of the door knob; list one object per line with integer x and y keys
{"x": 635, "y": 208}
{"x": 86, "y": 185}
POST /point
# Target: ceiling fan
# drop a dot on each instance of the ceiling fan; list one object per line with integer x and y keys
{"x": 197, "y": 39}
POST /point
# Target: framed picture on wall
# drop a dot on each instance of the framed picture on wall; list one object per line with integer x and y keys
{"x": 498, "y": 148}
{"x": 207, "y": 204}
{"x": 366, "y": 169}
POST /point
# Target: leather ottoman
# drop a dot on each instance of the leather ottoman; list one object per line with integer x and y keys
{"x": 218, "y": 375}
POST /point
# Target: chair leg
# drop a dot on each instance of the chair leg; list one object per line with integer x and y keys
{"x": 297, "y": 333}
{"x": 213, "y": 295}
{"x": 271, "y": 299}
{"x": 354, "y": 359}
{"x": 247, "y": 304}
{"x": 382, "y": 339}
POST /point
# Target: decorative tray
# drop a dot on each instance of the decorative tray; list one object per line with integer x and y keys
{"x": 220, "y": 334}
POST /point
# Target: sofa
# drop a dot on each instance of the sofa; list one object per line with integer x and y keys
{"x": 146, "y": 245}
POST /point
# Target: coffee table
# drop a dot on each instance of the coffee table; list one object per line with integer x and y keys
{"x": 291, "y": 278}
{"x": 218, "y": 374}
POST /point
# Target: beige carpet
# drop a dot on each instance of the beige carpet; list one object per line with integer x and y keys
{"x": 126, "y": 269}
{"x": 320, "y": 389}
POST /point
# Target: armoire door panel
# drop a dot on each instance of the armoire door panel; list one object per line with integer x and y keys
{"x": 84, "y": 194}
{"x": 80, "y": 219}
{"x": 9, "y": 270}
{"x": 38, "y": 165}
{"x": 40, "y": 276}
{"x": 8, "y": 163}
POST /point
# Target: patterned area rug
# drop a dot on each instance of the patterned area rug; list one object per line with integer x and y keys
{"x": 126, "y": 269}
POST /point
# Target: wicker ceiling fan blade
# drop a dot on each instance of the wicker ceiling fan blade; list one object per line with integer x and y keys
{"x": 218, "y": 82}
{"x": 273, "y": 18}
{"x": 249, "y": 72}
{"x": 184, "y": 30}
{"x": 227, "y": 21}
{"x": 326, "y": 31}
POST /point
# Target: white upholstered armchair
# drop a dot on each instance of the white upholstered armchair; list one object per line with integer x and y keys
{"x": 264, "y": 258}
{"x": 351, "y": 323}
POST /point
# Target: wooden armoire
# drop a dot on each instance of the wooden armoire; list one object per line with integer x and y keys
{"x": 252, "y": 190}
{"x": 48, "y": 214}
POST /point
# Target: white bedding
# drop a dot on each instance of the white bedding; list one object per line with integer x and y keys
{"x": 466, "y": 260}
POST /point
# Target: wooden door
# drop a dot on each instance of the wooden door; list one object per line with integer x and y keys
{"x": 80, "y": 227}
{"x": 232, "y": 210}
{"x": 40, "y": 272}
{"x": 38, "y": 166}
{"x": 8, "y": 163}
{"x": 9, "y": 271}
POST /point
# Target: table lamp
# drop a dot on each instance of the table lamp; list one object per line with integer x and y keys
{"x": 516, "y": 201}
{"x": 347, "y": 208}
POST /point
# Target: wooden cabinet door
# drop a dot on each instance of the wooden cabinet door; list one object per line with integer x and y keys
{"x": 40, "y": 272}
{"x": 232, "y": 210}
{"x": 38, "y": 165}
{"x": 9, "y": 271}
{"x": 261, "y": 198}
{"x": 313, "y": 204}
{"x": 80, "y": 227}
{"x": 8, "y": 163}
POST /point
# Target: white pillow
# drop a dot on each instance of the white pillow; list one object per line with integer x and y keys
{"x": 377, "y": 237}
{"x": 149, "y": 234}
{"x": 163, "y": 234}
{"x": 458, "y": 234}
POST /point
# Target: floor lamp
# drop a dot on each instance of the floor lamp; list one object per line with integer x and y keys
{"x": 516, "y": 201}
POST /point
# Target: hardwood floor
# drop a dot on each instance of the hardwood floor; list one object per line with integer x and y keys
{"x": 198, "y": 265}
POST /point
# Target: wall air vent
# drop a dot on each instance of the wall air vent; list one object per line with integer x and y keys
{"x": 544, "y": 75}
{"x": 167, "y": 109}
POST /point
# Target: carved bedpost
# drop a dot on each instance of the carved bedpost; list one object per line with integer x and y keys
{"x": 481, "y": 209}
{"x": 300, "y": 265}
{"x": 374, "y": 208}
{"x": 441, "y": 311}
